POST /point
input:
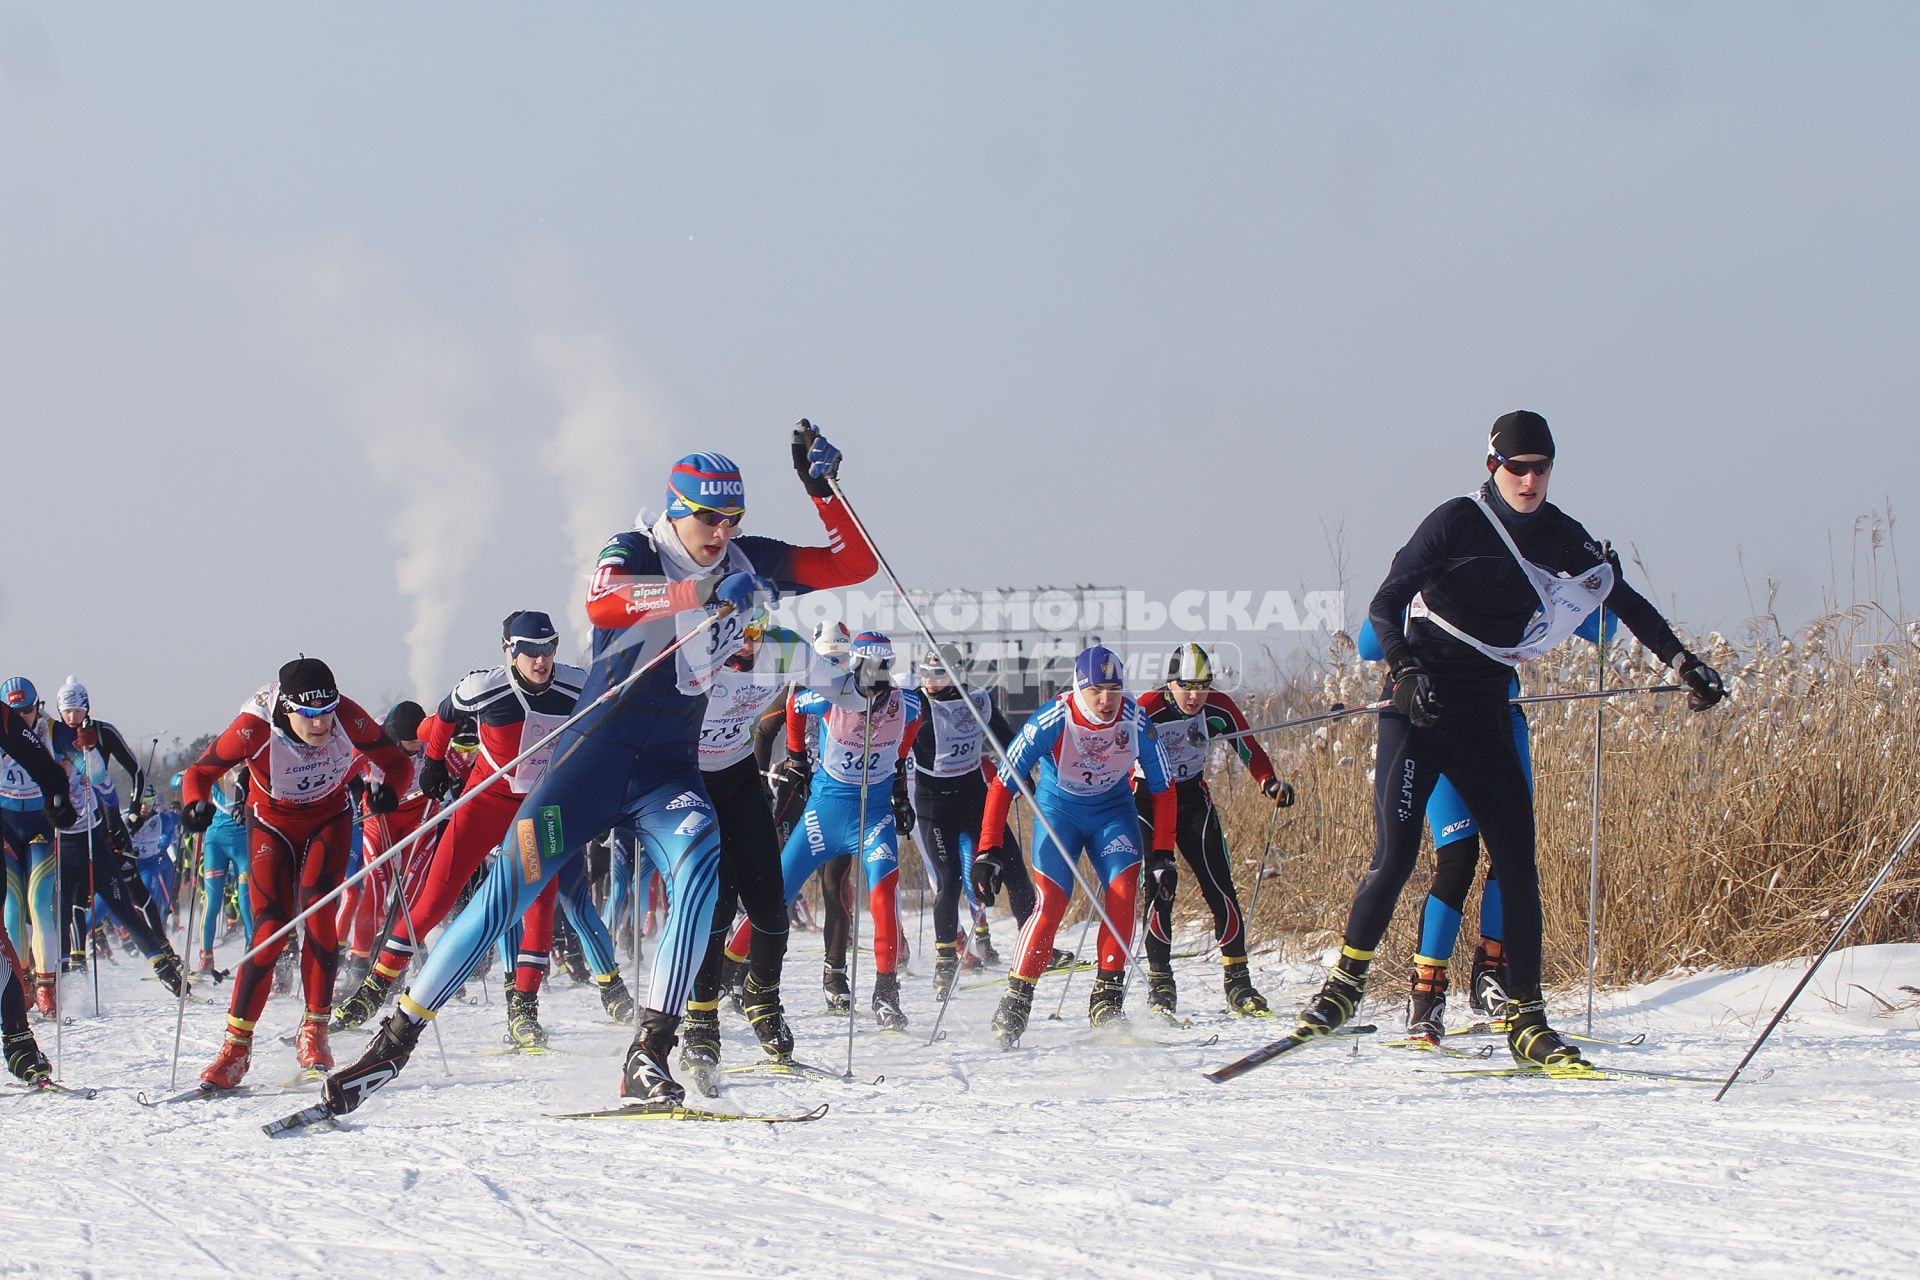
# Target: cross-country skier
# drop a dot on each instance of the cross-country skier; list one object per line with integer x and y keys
{"x": 298, "y": 737}
{"x": 1085, "y": 744}
{"x": 508, "y": 708}
{"x": 682, "y": 579}
{"x": 1187, "y": 711}
{"x": 951, "y": 768}
{"x": 24, "y": 759}
{"x": 1456, "y": 843}
{"x": 223, "y": 859}
{"x": 1488, "y": 581}
{"x": 757, "y": 677}
{"x": 32, "y": 911}
{"x": 866, "y": 730}
{"x": 153, "y": 826}
{"x": 96, "y": 852}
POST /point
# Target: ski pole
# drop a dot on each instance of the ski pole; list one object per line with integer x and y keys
{"x": 1859, "y": 908}
{"x": 1260, "y": 874}
{"x": 609, "y": 695}
{"x": 186, "y": 948}
{"x": 1079, "y": 949}
{"x": 93, "y": 951}
{"x": 1593, "y": 843}
{"x": 1338, "y": 713}
{"x": 1335, "y": 713}
{"x": 986, "y": 730}
{"x": 439, "y": 1040}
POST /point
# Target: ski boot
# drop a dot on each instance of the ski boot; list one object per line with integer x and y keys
{"x": 615, "y": 998}
{"x": 76, "y": 963}
{"x": 1339, "y": 995}
{"x": 983, "y": 946}
{"x": 700, "y": 1039}
{"x": 167, "y": 968}
{"x": 1535, "y": 1044}
{"x": 733, "y": 983}
{"x": 229, "y": 1067}
{"x": 1241, "y": 997}
{"x": 1010, "y": 1019}
{"x": 367, "y": 1000}
{"x": 206, "y": 962}
{"x": 1059, "y": 960}
{"x": 1488, "y": 993}
{"x": 385, "y": 1056}
{"x": 1105, "y": 1008}
{"x": 768, "y": 1019}
{"x": 886, "y": 1002}
{"x": 1427, "y": 1002}
{"x": 45, "y": 999}
{"x": 946, "y": 968}
{"x": 839, "y": 995}
{"x": 646, "y": 1078}
{"x": 24, "y": 1059}
{"x": 310, "y": 1047}
{"x": 523, "y": 1020}
{"x": 1162, "y": 995}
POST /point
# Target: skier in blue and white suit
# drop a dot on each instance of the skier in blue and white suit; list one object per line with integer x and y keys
{"x": 635, "y": 759}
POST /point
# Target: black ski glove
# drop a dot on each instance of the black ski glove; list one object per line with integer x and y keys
{"x": 197, "y": 817}
{"x": 989, "y": 873}
{"x": 435, "y": 781}
{"x": 1414, "y": 695}
{"x": 902, "y": 806}
{"x": 1162, "y": 877}
{"x": 1702, "y": 679}
{"x": 381, "y": 798}
{"x": 1280, "y": 792}
{"x": 59, "y": 808}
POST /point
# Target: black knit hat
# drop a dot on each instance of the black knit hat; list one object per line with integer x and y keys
{"x": 308, "y": 682}
{"x": 403, "y": 722}
{"x": 1520, "y": 433}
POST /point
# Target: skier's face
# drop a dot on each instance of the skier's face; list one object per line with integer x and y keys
{"x": 1102, "y": 701}
{"x": 1188, "y": 700}
{"x": 1524, "y": 492}
{"x": 535, "y": 668}
{"x": 76, "y": 717}
{"x": 312, "y": 730}
{"x": 706, "y": 543}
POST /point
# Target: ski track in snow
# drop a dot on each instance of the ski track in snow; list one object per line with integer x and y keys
{"x": 1059, "y": 1159}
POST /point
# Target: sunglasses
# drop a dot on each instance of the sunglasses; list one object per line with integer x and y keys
{"x": 717, "y": 519}
{"x": 309, "y": 713}
{"x": 535, "y": 648}
{"x": 1192, "y": 686}
{"x": 1539, "y": 467}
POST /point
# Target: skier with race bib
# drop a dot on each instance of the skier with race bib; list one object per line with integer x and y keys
{"x": 866, "y": 729}
{"x": 24, "y": 760}
{"x": 682, "y": 580}
{"x": 1085, "y": 744}
{"x": 1187, "y": 712}
{"x": 1487, "y": 582}
{"x": 298, "y": 737}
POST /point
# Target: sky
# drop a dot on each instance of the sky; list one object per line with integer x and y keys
{"x": 349, "y": 329}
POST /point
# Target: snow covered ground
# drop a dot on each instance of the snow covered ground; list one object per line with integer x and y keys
{"x": 1062, "y": 1159}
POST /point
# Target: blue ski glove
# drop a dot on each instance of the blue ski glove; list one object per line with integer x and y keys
{"x": 744, "y": 591}
{"x": 814, "y": 459}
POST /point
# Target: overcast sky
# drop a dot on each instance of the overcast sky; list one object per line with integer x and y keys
{"x": 351, "y": 331}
